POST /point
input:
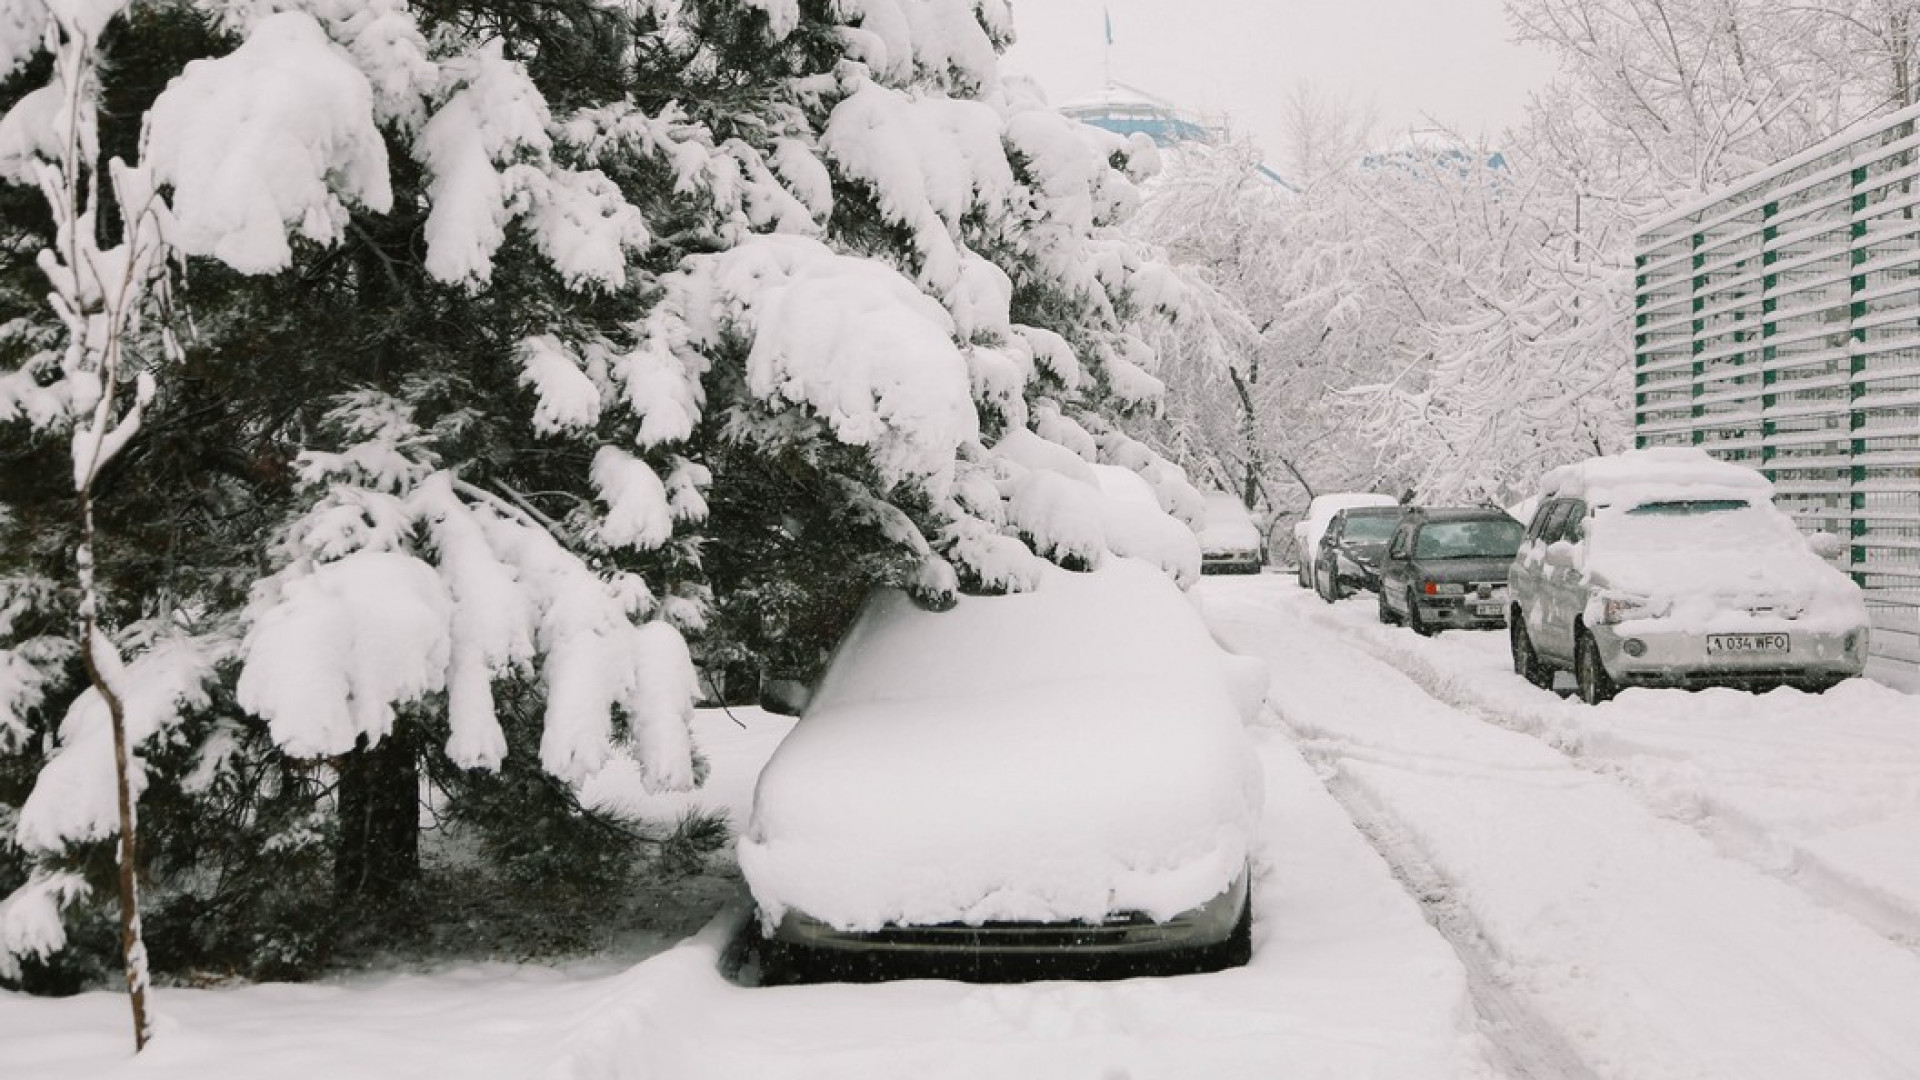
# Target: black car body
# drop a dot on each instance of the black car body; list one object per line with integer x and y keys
{"x": 1446, "y": 567}
{"x": 1351, "y": 550}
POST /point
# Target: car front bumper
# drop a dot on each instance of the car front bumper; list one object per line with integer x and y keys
{"x": 1119, "y": 935}
{"x": 1678, "y": 658}
{"x": 1231, "y": 562}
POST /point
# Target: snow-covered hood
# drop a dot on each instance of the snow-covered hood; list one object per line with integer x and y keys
{"x": 1228, "y": 528}
{"x": 1732, "y": 569}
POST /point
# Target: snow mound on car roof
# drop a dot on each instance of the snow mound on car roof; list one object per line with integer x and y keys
{"x": 1050, "y": 755}
{"x": 1667, "y": 472}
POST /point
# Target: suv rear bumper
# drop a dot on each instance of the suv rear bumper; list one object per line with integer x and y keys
{"x": 1463, "y": 612}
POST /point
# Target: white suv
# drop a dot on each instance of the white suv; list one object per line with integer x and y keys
{"x": 1666, "y": 567}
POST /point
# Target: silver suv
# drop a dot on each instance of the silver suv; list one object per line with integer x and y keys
{"x": 1669, "y": 568}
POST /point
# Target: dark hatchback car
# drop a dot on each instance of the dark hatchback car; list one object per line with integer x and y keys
{"x": 1447, "y": 567}
{"x": 1351, "y": 549}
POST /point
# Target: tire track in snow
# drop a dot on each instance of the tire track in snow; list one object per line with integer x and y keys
{"x": 1733, "y": 833}
{"x": 1522, "y": 1044}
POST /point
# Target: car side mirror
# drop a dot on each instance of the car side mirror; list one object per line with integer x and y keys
{"x": 1560, "y": 553}
{"x": 1827, "y": 545}
{"x": 785, "y": 697}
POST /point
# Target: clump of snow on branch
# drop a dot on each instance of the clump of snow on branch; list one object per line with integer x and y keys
{"x": 845, "y": 338}
{"x": 268, "y": 137}
{"x": 74, "y": 798}
{"x": 363, "y": 619}
{"x": 30, "y": 923}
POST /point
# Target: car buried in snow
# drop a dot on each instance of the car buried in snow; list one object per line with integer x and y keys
{"x": 1446, "y": 568}
{"x": 1230, "y": 543}
{"x": 1047, "y": 784}
{"x": 1351, "y": 549}
{"x": 1667, "y": 567}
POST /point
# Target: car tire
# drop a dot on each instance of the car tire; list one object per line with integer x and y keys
{"x": 1596, "y": 686}
{"x": 1526, "y": 660}
{"x": 1332, "y": 594}
{"x": 1417, "y": 624}
{"x": 1387, "y": 614}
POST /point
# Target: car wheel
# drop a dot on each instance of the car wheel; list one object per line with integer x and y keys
{"x": 1419, "y": 625}
{"x": 1595, "y": 684}
{"x": 1387, "y": 614}
{"x": 1526, "y": 661}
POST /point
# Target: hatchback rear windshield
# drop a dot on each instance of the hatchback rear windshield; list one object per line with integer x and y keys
{"x": 1469, "y": 540}
{"x": 1371, "y": 526}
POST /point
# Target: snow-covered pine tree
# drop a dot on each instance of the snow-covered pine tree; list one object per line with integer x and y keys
{"x": 589, "y": 328}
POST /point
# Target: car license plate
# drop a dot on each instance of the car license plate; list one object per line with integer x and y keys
{"x": 1486, "y": 611}
{"x": 1727, "y": 644}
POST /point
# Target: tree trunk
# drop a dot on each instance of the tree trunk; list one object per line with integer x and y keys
{"x": 379, "y": 852}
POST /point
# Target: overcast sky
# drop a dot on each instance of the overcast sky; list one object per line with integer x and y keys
{"x": 1452, "y": 59}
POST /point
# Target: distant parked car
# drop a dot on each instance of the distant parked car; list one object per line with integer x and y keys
{"x": 1446, "y": 567}
{"x": 1230, "y": 543}
{"x": 1307, "y": 531}
{"x": 1056, "y": 782}
{"x": 1666, "y": 567}
{"x": 1350, "y": 550}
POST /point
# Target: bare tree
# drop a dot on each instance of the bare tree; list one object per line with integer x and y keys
{"x": 101, "y": 294}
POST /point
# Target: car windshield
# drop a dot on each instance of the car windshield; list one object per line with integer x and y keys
{"x": 1371, "y": 527}
{"x": 1469, "y": 540}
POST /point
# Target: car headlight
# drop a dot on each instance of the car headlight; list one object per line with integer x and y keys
{"x": 1619, "y": 607}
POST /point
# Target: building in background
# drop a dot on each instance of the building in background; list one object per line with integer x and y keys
{"x": 1777, "y": 324}
{"x": 1124, "y": 110}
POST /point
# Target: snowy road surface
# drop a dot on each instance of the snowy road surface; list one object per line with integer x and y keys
{"x": 1462, "y": 876}
{"x": 1583, "y": 857}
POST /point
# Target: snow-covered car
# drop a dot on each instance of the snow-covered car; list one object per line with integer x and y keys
{"x": 1351, "y": 549}
{"x": 1056, "y": 783}
{"x": 1446, "y": 568}
{"x": 1307, "y": 531}
{"x": 1667, "y": 567}
{"x": 1230, "y": 543}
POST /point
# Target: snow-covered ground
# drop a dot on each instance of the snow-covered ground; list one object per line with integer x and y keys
{"x": 1589, "y": 878}
{"x": 1460, "y": 876}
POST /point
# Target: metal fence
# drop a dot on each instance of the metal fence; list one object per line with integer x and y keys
{"x": 1778, "y": 324}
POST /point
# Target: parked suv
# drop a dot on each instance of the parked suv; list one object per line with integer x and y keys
{"x": 1351, "y": 549}
{"x": 1446, "y": 567}
{"x": 1666, "y": 567}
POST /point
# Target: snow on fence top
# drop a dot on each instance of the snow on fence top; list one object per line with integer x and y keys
{"x": 1764, "y": 184}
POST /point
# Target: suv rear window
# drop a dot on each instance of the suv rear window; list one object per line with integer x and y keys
{"x": 1690, "y": 506}
{"x": 1469, "y": 539}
